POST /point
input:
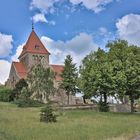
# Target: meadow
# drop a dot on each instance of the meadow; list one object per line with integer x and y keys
{"x": 23, "y": 124}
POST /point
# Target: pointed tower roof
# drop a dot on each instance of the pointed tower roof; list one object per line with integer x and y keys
{"x": 34, "y": 45}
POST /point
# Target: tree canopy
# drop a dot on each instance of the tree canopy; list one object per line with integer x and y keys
{"x": 125, "y": 60}
{"x": 113, "y": 72}
{"x": 41, "y": 82}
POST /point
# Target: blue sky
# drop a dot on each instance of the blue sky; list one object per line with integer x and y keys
{"x": 73, "y": 27}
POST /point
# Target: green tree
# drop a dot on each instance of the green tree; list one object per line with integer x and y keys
{"x": 96, "y": 76}
{"x": 47, "y": 114}
{"x": 125, "y": 60}
{"x": 69, "y": 77}
{"x": 41, "y": 82}
{"x": 115, "y": 72}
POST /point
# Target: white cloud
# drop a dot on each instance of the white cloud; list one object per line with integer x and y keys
{"x": 5, "y": 45}
{"x": 52, "y": 22}
{"x": 44, "y": 6}
{"x": 95, "y": 5}
{"x": 4, "y": 70}
{"x": 105, "y": 35}
{"x": 78, "y": 47}
{"x": 39, "y": 18}
{"x": 47, "y": 6}
{"x": 18, "y": 52}
{"x": 128, "y": 28}
{"x": 103, "y": 31}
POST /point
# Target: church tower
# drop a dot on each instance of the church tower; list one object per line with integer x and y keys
{"x": 33, "y": 52}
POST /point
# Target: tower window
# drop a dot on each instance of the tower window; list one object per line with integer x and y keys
{"x": 37, "y": 47}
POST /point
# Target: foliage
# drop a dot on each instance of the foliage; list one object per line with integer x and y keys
{"x": 41, "y": 82}
{"x": 69, "y": 77}
{"x": 47, "y": 115}
{"x": 20, "y": 85}
{"x": 5, "y": 94}
{"x": 115, "y": 72}
{"x": 25, "y": 93}
{"x": 96, "y": 76}
{"x": 28, "y": 103}
{"x": 125, "y": 60}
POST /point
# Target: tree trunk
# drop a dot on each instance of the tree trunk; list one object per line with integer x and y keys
{"x": 84, "y": 99}
{"x": 132, "y": 103}
{"x": 101, "y": 98}
{"x": 105, "y": 98}
{"x": 68, "y": 98}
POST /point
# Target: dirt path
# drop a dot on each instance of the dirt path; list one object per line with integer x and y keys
{"x": 136, "y": 138}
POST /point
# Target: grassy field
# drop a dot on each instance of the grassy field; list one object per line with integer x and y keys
{"x": 23, "y": 124}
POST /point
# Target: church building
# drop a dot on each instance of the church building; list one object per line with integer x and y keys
{"x": 33, "y": 52}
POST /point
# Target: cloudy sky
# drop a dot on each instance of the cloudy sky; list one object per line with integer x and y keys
{"x": 73, "y": 27}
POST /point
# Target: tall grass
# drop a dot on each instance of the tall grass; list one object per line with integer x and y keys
{"x": 23, "y": 124}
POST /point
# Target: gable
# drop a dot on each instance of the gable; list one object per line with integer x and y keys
{"x": 34, "y": 45}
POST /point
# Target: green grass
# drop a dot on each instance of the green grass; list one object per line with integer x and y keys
{"x": 23, "y": 124}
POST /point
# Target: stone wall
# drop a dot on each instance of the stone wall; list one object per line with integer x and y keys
{"x": 61, "y": 98}
{"x": 29, "y": 60}
{"x": 120, "y": 108}
{"x": 13, "y": 78}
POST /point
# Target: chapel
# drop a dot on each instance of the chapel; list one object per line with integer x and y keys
{"x": 33, "y": 52}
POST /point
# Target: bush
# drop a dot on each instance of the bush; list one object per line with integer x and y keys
{"x": 6, "y": 94}
{"x": 47, "y": 114}
{"x": 20, "y": 86}
{"x": 103, "y": 107}
{"x": 28, "y": 103}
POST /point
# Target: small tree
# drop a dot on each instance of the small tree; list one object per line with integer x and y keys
{"x": 47, "y": 114}
{"x": 69, "y": 77}
{"x": 41, "y": 82}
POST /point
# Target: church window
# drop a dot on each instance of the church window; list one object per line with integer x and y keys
{"x": 37, "y": 47}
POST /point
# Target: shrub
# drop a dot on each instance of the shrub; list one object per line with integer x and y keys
{"x": 28, "y": 103}
{"x": 19, "y": 87}
{"x": 6, "y": 94}
{"x": 47, "y": 114}
{"x": 103, "y": 107}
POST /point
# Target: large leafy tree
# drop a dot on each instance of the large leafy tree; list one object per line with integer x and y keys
{"x": 69, "y": 77}
{"x": 96, "y": 75}
{"x": 115, "y": 72}
{"x": 125, "y": 60}
{"x": 41, "y": 82}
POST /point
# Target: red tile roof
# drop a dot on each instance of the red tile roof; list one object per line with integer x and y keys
{"x": 22, "y": 72}
{"x": 58, "y": 69}
{"x": 34, "y": 45}
{"x": 20, "y": 69}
